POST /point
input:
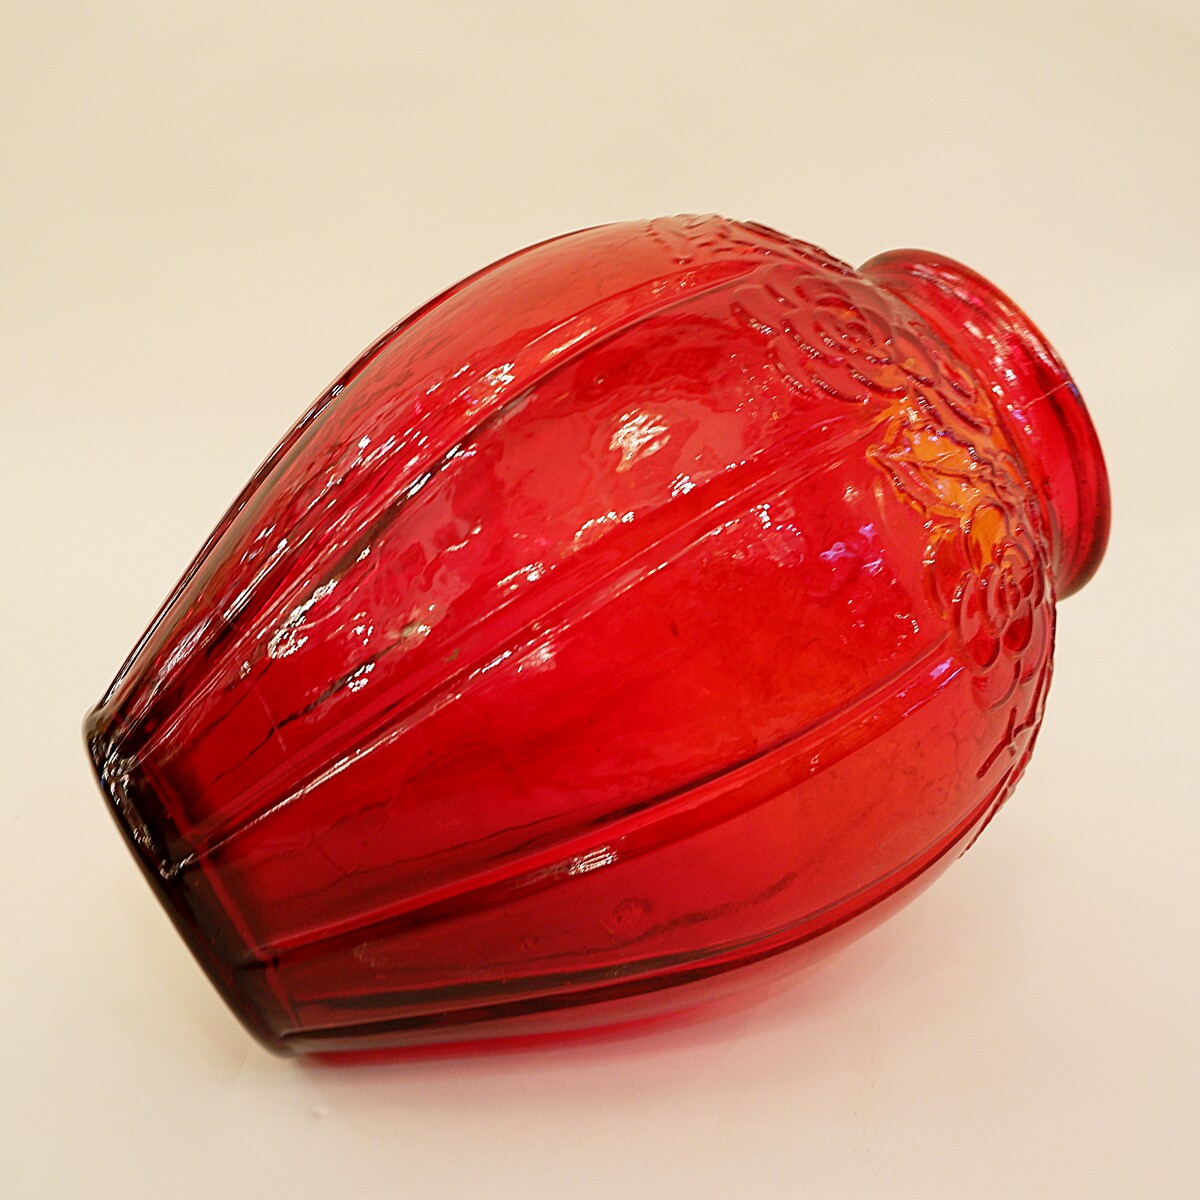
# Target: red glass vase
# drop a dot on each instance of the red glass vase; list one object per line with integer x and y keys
{"x": 659, "y": 598}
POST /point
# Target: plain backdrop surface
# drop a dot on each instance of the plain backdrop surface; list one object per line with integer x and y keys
{"x": 208, "y": 209}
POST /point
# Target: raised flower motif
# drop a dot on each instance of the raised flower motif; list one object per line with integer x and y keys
{"x": 985, "y": 556}
{"x": 986, "y": 583}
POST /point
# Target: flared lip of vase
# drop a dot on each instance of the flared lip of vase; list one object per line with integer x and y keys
{"x": 1057, "y": 410}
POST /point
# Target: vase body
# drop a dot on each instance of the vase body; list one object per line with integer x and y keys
{"x": 659, "y": 598}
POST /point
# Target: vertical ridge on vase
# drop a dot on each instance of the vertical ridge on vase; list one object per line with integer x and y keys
{"x": 649, "y": 822}
{"x": 634, "y": 568}
{"x": 407, "y": 487}
{"x": 452, "y": 1004}
{"x": 627, "y": 235}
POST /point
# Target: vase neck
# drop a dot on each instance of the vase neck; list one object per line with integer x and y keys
{"x": 1038, "y": 404}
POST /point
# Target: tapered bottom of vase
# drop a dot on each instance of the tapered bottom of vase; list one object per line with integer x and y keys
{"x": 633, "y": 994}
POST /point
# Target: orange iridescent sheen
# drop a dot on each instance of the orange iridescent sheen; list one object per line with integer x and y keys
{"x": 659, "y": 598}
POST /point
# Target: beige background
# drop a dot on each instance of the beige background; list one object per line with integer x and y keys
{"x": 209, "y": 208}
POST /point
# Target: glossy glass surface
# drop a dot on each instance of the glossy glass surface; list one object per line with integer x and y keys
{"x": 656, "y": 599}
